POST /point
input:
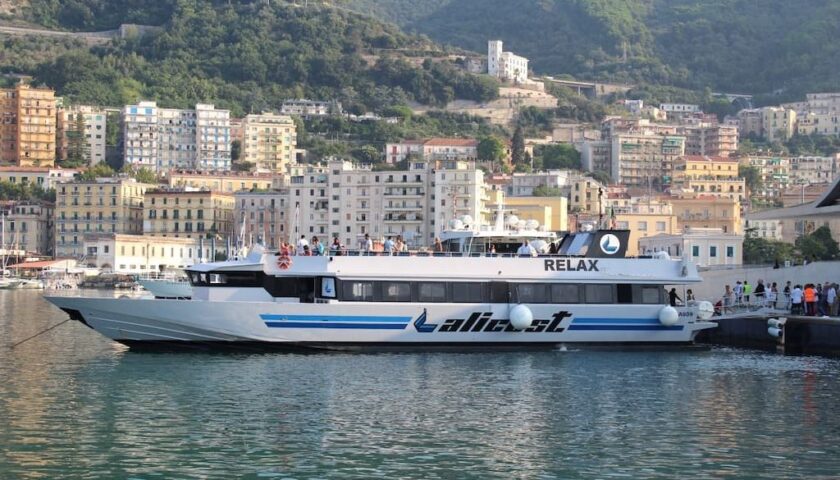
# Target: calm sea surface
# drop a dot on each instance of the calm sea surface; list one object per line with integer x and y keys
{"x": 74, "y": 405}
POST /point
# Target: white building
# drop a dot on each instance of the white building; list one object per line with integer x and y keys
{"x": 810, "y": 170}
{"x": 135, "y": 254}
{"x": 505, "y": 66}
{"x": 168, "y": 138}
{"x": 44, "y": 177}
{"x": 679, "y": 108}
{"x": 523, "y": 184}
{"x": 432, "y": 149}
{"x": 95, "y": 122}
{"x": 704, "y": 246}
{"x": 310, "y": 108}
{"x": 29, "y": 227}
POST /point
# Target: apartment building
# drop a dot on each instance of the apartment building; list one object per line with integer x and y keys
{"x": 226, "y": 182}
{"x": 524, "y": 184}
{"x": 103, "y": 205}
{"x": 751, "y": 122}
{"x": 138, "y": 254}
{"x": 708, "y": 176}
{"x": 645, "y": 159}
{"x": 679, "y": 108}
{"x": 269, "y": 142}
{"x": 44, "y": 177}
{"x": 163, "y": 139}
{"x": 587, "y": 196}
{"x": 29, "y": 227}
{"x": 643, "y": 219}
{"x": 778, "y": 124}
{"x": 310, "y": 108}
{"x": 347, "y": 201}
{"x": 93, "y": 123}
{"x": 595, "y": 155}
{"x": 810, "y": 169}
{"x": 27, "y": 126}
{"x": 710, "y": 139}
{"x": 707, "y": 211}
{"x": 432, "y": 149}
{"x": 185, "y": 213}
{"x": 264, "y": 217}
{"x": 774, "y": 173}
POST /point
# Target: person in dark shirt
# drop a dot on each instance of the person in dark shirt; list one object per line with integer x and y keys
{"x": 673, "y": 297}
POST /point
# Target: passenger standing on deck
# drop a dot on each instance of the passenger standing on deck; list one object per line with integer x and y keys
{"x": 760, "y": 293}
{"x": 727, "y": 296}
{"x": 673, "y": 297}
{"x": 301, "y": 245}
{"x": 787, "y": 295}
{"x": 739, "y": 292}
{"x": 399, "y": 245}
{"x": 772, "y": 295}
{"x": 526, "y": 250}
{"x": 367, "y": 243}
{"x": 317, "y": 247}
{"x": 438, "y": 247}
{"x": 335, "y": 248}
{"x": 796, "y": 297}
{"x": 832, "y": 300}
{"x": 388, "y": 246}
{"x": 825, "y": 303}
{"x": 747, "y": 291}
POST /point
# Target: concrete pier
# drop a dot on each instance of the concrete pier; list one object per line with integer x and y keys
{"x": 799, "y": 335}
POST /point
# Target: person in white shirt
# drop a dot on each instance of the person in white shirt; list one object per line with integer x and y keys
{"x": 367, "y": 243}
{"x": 526, "y": 249}
{"x": 301, "y": 245}
{"x": 831, "y": 297}
{"x": 796, "y": 297}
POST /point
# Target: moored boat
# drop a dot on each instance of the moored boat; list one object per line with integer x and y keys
{"x": 588, "y": 294}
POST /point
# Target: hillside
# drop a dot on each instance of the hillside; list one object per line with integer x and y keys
{"x": 246, "y": 56}
{"x": 731, "y": 45}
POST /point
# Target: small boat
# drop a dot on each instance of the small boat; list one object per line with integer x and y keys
{"x": 8, "y": 283}
{"x": 29, "y": 284}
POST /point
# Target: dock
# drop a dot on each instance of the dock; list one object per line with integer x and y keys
{"x": 777, "y": 332}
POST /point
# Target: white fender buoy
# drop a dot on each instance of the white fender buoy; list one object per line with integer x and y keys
{"x": 775, "y": 323}
{"x": 705, "y": 310}
{"x": 669, "y": 316}
{"x": 774, "y": 332}
{"x": 521, "y": 317}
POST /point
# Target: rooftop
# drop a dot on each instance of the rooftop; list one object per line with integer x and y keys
{"x": 706, "y": 158}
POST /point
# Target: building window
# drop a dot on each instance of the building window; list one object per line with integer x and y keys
{"x": 695, "y": 250}
{"x": 642, "y": 226}
{"x": 730, "y": 251}
{"x": 712, "y": 251}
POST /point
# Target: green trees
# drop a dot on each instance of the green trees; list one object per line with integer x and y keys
{"x": 751, "y": 176}
{"x": 760, "y": 251}
{"x": 491, "y": 149}
{"x": 819, "y": 245}
{"x": 78, "y": 150}
{"x": 517, "y": 147}
{"x": 98, "y": 171}
{"x": 557, "y": 156}
{"x": 545, "y": 191}
{"x": 24, "y": 192}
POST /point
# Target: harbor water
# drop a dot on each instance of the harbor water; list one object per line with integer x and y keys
{"x": 75, "y": 405}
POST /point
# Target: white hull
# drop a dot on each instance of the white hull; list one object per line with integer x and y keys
{"x": 136, "y": 321}
{"x": 167, "y": 288}
{"x": 30, "y": 285}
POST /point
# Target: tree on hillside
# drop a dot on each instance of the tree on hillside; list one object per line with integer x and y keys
{"x": 518, "y": 147}
{"x": 558, "y": 156}
{"x": 752, "y": 177}
{"x": 491, "y": 149}
{"x": 600, "y": 176}
{"x": 100, "y": 170}
{"x": 78, "y": 150}
{"x": 546, "y": 191}
{"x": 761, "y": 251}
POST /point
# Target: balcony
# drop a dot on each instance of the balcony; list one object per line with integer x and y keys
{"x": 403, "y": 218}
{"x": 405, "y": 192}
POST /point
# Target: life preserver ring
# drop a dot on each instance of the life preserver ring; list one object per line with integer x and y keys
{"x": 284, "y": 262}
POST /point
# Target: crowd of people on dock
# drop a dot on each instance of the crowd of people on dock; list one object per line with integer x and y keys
{"x": 810, "y": 299}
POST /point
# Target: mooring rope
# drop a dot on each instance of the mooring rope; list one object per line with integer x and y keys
{"x": 40, "y": 333}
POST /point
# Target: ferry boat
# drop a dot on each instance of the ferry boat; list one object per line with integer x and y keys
{"x": 586, "y": 293}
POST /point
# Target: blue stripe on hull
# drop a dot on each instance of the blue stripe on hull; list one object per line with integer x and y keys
{"x": 615, "y": 321}
{"x": 625, "y": 327}
{"x": 360, "y": 326}
{"x": 334, "y": 318}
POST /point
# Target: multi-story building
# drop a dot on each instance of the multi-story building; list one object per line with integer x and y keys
{"x": 186, "y": 213}
{"x": 270, "y": 141}
{"x": 595, "y": 155}
{"x": 166, "y": 138}
{"x": 644, "y": 219}
{"x": 505, "y": 66}
{"x": 710, "y": 140}
{"x": 774, "y": 173}
{"x": 807, "y": 170}
{"x": 227, "y": 182}
{"x": 645, "y": 159}
{"x": 29, "y": 227}
{"x": 587, "y": 196}
{"x": 778, "y": 124}
{"x": 264, "y": 217}
{"x": 103, "y": 205}
{"x": 27, "y": 126}
{"x": 706, "y": 211}
{"x": 751, "y": 122}
{"x": 92, "y": 121}
{"x": 213, "y": 139}
{"x": 310, "y": 108}
{"x": 679, "y": 108}
{"x": 44, "y": 177}
{"x": 433, "y": 149}
{"x": 704, "y": 246}
{"x": 708, "y": 176}
{"x": 347, "y": 201}
{"x": 138, "y": 254}
{"x": 523, "y": 184}
{"x": 770, "y": 229}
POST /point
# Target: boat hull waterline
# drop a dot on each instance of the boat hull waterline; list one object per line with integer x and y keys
{"x": 135, "y": 322}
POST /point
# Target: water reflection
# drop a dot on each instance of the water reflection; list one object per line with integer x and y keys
{"x": 73, "y": 404}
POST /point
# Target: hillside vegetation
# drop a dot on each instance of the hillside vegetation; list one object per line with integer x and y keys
{"x": 732, "y": 45}
{"x": 246, "y": 56}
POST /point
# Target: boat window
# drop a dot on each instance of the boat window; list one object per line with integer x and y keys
{"x": 532, "y": 293}
{"x": 358, "y": 291}
{"x": 396, "y": 291}
{"x": 650, "y": 294}
{"x": 596, "y": 293}
{"x": 499, "y": 292}
{"x": 565, "y": 293}
{"x": 624, "y": 293}
{"x": 431, "y": 292}
{"x": 328, "y": 287}
{"x": 469, "y": 292}
{"x": 216, "y": 278}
